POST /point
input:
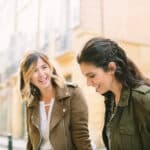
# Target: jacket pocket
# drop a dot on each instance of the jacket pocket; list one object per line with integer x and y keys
{"x": 127, "y": 131}
{"x": 129, "y": 139}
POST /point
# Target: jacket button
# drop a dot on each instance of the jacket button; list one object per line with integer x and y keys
{"x": 64, "y": 110}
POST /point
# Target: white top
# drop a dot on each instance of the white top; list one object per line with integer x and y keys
{"x": 45, "y": 124}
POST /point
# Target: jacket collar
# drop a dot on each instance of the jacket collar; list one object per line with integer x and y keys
{"x": 124, "y": 98}
{"x": 61, "y": 93}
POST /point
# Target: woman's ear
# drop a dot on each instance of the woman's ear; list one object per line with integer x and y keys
{"x": 112, "y": 67}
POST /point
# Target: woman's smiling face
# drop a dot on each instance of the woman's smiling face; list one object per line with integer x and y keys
{"x": 41, "y": 76}
{"x": 98, "y": 78}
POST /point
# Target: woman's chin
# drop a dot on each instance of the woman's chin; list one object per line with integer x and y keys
{"x": 98, "y": 91}
{"x": 101, "y": 92}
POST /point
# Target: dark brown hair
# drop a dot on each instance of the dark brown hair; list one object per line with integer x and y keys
{"x": 100, "y": 52}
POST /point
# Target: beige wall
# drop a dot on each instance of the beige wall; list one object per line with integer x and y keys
{"x": 127, "y": 20}
{"x": 139, "y": 54}
{"x": 91, "y": 15}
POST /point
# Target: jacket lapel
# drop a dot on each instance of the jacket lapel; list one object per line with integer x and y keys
{"x": 35, "y": 113}
{"x": 36, "y": 117}
{"x": 60, "y": 107}
{"x": 58, "y": 113}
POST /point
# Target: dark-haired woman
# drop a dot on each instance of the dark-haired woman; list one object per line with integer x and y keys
{"x": 127, "y": 94}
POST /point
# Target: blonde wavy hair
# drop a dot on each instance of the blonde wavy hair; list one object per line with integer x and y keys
{"x": 27, "y": 67}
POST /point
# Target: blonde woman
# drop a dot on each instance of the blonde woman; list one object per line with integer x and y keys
{"x": 57, "y": 114}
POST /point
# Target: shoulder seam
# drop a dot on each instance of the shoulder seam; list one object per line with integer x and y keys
{"x": 142, "y": 89}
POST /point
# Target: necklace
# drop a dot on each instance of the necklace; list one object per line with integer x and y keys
{"x": 48, "y": 104}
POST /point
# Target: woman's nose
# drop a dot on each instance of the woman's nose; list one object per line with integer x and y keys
{"x": 89, "y": 82}
{"x": 41, "y": 72}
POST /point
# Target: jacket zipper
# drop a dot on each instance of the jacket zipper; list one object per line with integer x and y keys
{"x": 65, "y": 135}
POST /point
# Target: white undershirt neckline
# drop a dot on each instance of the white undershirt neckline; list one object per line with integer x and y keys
{"x": 45, "y": 125}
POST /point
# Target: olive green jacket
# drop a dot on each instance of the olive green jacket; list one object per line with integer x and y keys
{"x": 129, "y": 127}
{"x": 68, "y": 125}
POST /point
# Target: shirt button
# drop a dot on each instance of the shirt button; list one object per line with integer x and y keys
{"x": 67, "y": 93}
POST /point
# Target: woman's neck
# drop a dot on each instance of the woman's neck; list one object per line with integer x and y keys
{"x": 47, "y": 94}
{"x": 117, "y": 92}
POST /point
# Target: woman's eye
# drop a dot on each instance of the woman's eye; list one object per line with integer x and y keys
{"x": 92, "y": 76}
{"x": 44, "y": 67}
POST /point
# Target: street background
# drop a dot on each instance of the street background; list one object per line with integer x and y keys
{"x": 60, "y": 28}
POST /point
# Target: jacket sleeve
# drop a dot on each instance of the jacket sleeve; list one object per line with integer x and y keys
{"x": 79, "y": 121}
{"x": 142, "y": 114}
{"x": 29, "y": 145}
